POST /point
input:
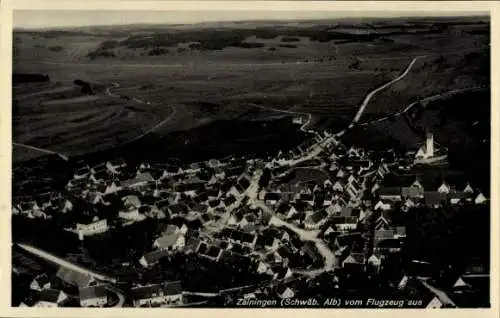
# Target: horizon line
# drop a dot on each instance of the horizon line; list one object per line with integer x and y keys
{"x": 480, "y": 15}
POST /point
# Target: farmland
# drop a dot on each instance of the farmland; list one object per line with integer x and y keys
{"x": 185, "y": 80}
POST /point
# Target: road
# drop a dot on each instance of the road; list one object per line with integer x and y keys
{"x": 59, "y": 261}
{"x": 311, "y": 236}
{"x": 316, "y": 149}
{"x": 152, "y": 129}
{"x": 289, "y": 112}
{"x": 375, "y": 91}
{"x": 64, "y": 157}
{"x": 426, "y": 99}
{"x": 118, "y": 293}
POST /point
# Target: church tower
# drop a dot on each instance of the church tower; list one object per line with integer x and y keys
{"x": 429, "y": 145}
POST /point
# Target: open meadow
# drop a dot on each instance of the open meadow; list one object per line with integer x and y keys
{"x": 164, "y": 79}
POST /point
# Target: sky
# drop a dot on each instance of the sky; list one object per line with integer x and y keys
{"x": 68, "y": 18}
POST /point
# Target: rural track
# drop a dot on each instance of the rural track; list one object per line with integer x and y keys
{"x": 317, "y": 148}
{"x": 290, "y": 112}
{"x": 64, "y": 157}
{"x": 425, "y": 99}
{"x": 140, "y": 101}
{"x": 375, "y": 91}
{"x": 61, "y": 262}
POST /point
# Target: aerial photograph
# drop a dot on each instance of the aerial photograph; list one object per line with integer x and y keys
{"x": 250, "y": 159}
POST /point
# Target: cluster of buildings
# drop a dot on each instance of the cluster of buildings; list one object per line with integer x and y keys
{"x": 351, "y": 199}
{"x": 66, "y": 287}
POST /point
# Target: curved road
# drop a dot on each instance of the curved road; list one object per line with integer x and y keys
{"x": 425, "y": 99}
{"x": 319, "y": 146}
{"x": 118, "y": 293}
{"x": 64, "y": 157}
{"x": 375, "y": 91}
{"x": 64, "y": 263}
{"x": 311, "y": 236}
{"x": 61, "y": 262}
{"x": 140, "y": 101}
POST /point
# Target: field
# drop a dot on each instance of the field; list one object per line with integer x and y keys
{"x": 179, "y": 78}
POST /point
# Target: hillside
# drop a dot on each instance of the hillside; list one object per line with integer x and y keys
{"x": 460, "y": 123}
{"x": 167, "y": 78}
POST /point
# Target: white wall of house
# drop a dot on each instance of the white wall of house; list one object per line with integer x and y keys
{"x": 95, "y": 302}
{"x": 160, "y": 299}
{"x": 97, "y": 227}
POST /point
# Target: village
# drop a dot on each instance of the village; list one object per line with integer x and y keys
{"x": 336, "y": 218}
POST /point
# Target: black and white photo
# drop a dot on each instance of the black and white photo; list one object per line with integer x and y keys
{"x": 251, "y": 159}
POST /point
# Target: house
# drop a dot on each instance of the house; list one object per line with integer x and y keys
{"x": 170, "y": 240}
{"x": 178, "y": 209}
{"x": 444, "y": 188}
{"x": 284, "y": 291}
{"x": 99, "y": 176}
{"x": 266, "y": 242}
{"x": 280, "y": 272}
{"x": 244, "y": 181}
{"x": 390, "y": 193}
{"x": 170, "y": 171}
{"x": 340, "y": 174}
{"x": 414, "y": 288}
{"x": 95, "y": 227}
{"x": 435, "y": 199}
{"x": 355, "y": 261}
{"x": 383, "y": 206}
{"x": 468, "y": 289}
{"x": 386, "y": 241}
{"x": 400, "y": 232}
{"x": 459, "y": 197}
{"x": 93, "y": 296}
{"x": 248, "y": 222}
{"x": 338, "y": 186}
{"x": 98, "y": 168}
{"x": 74, "y": 278}
{"x": 307, "y": 197}
{"x": 334, "y": 209}
{"x": 272, "y": 198}
{"x": 468, "y": 189}
{"x": 210, "y": 251}
{"x": 480, "y": 199}
{"x": 246, "y": 239}
{"x": 131, "y": 201}
{"x": 95, "y": 198}
{"x": 157, "y": 294}
{"x": 192, "y": 244}
{"x": 114, "y": 166}
{"x": 262, "y": 267}
{"x": 40, "y": 282}
{"x": 440, "y": 299}
{"x": 382, "y": 170}
{"x": 235, "y": 218}
{"x": 112, "y": 187}
{"x": 345, "y": 224}
{"x": 315, "y": 220}
{"x": 374, "y": 262}
{"x": 81, "y": 172}
{"x": 213, "y": 163}
{"x": 150, "y": 259}
{"x": 51, "y": 298}
{"x": 417, "y": 184}
{"x": 141, "y": 179}
{"x": 412, "y": 192}
{"x": 310, "y": 250}
{"x": 383, "y": 221}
